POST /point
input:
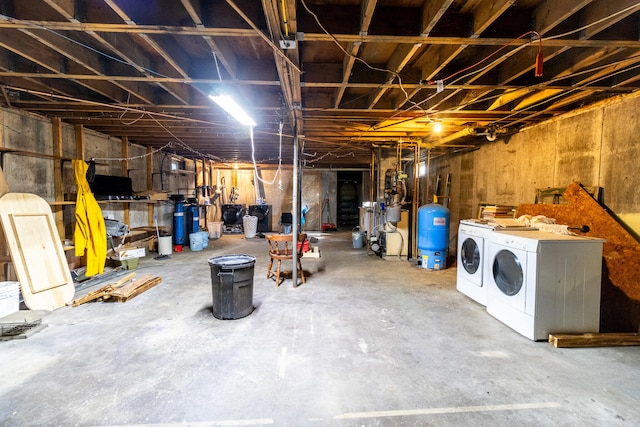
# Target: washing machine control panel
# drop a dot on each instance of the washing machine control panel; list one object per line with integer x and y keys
{"x": 473, "y": 231}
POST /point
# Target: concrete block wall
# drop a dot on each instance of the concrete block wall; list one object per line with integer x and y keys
{"x": 32, "y": 133}
{"x": 28, "y": 173}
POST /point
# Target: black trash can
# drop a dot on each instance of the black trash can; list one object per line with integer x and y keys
{"x": 232, "y": 285}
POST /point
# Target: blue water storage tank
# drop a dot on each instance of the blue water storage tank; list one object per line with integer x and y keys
{"x": 193, "y": 218}
{"x": 433, "y": 236}
{"x": 179, "y": 236}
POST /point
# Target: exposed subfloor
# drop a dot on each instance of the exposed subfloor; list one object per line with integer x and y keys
{"x": 365, "y": 342}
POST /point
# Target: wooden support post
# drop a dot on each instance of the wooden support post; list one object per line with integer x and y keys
{"x": 58, "y": 191}
{"x": 80, "y": 142}
{"x": 594, "y": 340}
{"x": 150, "y": 206}
{"x": 124, "y": 153}
{"x": 415, "y": 202}
{"x": 5, "y": 259}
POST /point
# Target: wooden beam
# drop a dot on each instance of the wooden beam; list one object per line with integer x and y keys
{"x": 124, "y": 153}
{"x": 594, "y": 340}
{"x": 79, "y": 59}
{"x": 550, "y": 13}
{"x": 432, "y": 11}
{"x": 607, "y": 13}
{"x": 58, "y": 192}
{"x": 150, "y": 206}
{"x": 79, "y": 132}
{"x": 308, "y": 37}
{"x": 224, "y": 53}
{"x": 166, "y": 67}
{"x": 486, "y": 12}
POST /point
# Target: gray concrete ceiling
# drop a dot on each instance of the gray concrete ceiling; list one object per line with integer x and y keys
{"x": 342, "y": 76}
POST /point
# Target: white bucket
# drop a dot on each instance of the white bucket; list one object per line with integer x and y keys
{"x": 358, "y": 239}
{"x": 195, "y": 242}
{"x": 204, "y": 239}
{"x": 250, "y": 225}
{"x": 164, "y": 245}
{"x": 9, "y": 298}
{"x": 215, "y": 229}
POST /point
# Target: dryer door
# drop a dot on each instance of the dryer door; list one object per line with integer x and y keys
{"x": 508, "y": 275}
{"x": 507, "y": 272}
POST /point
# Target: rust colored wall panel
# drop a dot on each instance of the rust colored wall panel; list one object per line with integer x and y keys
{"x": 620, "y": 305}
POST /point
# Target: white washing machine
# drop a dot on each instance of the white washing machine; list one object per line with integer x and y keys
{"x": 471, "y": 256}
{"x": 540, "y": 283}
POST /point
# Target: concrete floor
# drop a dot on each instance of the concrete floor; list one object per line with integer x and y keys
{"x": 366, "y": 342}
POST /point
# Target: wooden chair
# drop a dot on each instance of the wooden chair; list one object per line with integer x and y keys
{"x": 281, "y": 249}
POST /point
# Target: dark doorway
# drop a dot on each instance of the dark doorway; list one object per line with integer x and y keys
{"x": 349, "y": 198}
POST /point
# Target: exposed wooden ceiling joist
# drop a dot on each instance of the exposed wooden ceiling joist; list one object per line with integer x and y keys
{"x": 343, "y": 75}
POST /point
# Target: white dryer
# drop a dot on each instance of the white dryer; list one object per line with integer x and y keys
{"x": 541, "y": 283}
{"x": 471, "y": 256}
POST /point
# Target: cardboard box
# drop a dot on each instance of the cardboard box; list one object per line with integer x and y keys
{"x": 313, "y": 253}
{"x": 126, "y": 252}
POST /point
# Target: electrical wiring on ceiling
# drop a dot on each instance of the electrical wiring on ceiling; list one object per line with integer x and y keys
{"x": 330, "y": 153}
{"x": 575, "y": 89}
{"x": 337, "y": 43}
{"x": 397, "y": 75}
{"x": 69, "y": 39}
{"x": 150, "y": 114}
{"x": 253, "y": 158}
{"x": 554, "y": 37}
{"x": 103, "y": 159}
{"x": 127, "y": 110}
{"x": 537, "y": 67}
{"x": 492, "y": 60}
{"x": 431, "y": 82}
{"x": 499, "y": 123}
{"x": 463, "y": 77}
{"x": 141, "y": 156}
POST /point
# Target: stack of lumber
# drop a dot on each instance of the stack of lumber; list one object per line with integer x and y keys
{"x": 491, "y": 212}
{"x": 122, "y": 290}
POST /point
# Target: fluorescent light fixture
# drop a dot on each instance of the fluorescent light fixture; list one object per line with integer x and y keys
{"x": 229, "y": 105}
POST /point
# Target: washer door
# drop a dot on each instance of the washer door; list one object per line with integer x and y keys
{"x": 470, "y": 256}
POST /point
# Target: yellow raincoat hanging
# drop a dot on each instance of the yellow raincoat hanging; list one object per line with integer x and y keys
{"x": 90, "y": 233}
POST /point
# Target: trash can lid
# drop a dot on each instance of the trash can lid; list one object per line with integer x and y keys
{"x": 233, "y": 261}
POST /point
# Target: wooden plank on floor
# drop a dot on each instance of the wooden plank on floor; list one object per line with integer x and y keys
{"x": 594, "y": 340}
{"x": 104, "y": 291}
{"x": 137, "y": 287}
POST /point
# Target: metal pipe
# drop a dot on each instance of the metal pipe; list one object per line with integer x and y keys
{"x": 428, "y": 173}
{"x": 372, "y": 176}
{"x": 416, "y": 202}
{"x": 456, "y": 135}
{"x": 295, "y": 211}
{"x": 372, "y": 185}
